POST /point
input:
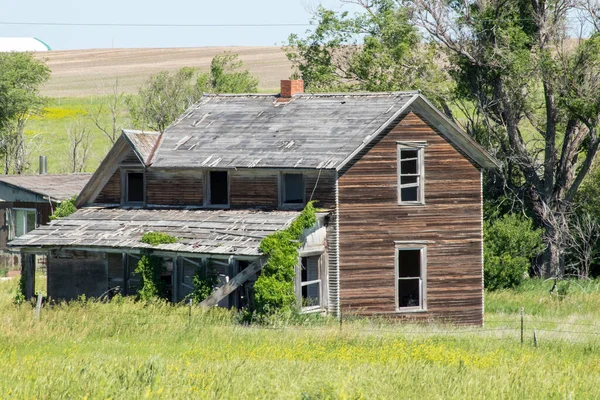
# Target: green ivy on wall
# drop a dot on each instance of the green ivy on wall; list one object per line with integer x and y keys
{"x": 274, "y": 289}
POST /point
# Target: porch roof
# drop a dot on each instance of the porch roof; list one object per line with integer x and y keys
{"x": 224, "y": 232}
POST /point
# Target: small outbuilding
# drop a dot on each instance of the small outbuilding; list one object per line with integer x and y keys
{"x": 28, "y": 201}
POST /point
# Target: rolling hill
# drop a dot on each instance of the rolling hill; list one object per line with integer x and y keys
{"x": 82, "y": 73}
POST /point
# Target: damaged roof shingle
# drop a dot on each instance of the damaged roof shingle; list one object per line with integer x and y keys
{"x": 224, "y": 232}
{"x": 253, "y": 131}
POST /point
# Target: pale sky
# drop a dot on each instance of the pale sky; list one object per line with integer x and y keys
{"x": 103, "y": 15}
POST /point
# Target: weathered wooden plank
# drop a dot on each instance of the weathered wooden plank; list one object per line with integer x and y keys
{"x": 233, "y": 284}
{"x": 371, "y": 221}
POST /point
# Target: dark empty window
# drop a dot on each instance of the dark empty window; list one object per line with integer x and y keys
{"x": 135, "y": 187}
{"x": 219, "y": 188}
{"x": 410, "y": 174}
{"x": 310, "y": 282}
{"x": 293, "y": 189}
{"x": 410, "y": 278}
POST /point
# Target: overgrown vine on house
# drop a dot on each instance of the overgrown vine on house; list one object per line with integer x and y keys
{"x": 205, "y": 280}
{"x": 20, "y": 294}
{"x": 151, "y": 267}
{"x": 274, "y": 289}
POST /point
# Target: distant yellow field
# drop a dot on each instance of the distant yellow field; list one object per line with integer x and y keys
{"x": 81, "y": 73}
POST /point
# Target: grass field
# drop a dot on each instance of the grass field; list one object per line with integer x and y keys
{"x": 130, "y": 350}
{"x": 84, "y": 73}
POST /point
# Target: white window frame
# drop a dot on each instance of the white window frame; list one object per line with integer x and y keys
{"x": 207, "y": 193}
{"x": 125, "y": 186}
{"x": 282, "y": 203}
{"x": 420, "y": 148}
{"x": 422, "y": 278}
{"x": 13, "y": 225}
{"x": 321, "y": 281}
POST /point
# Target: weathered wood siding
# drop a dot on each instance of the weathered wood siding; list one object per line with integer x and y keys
{"x": 323, "y": 185}
{"x": 174, "y": 187}
{"x": 43, "y": 211}
{"x": 111, "y": 192}
{"x": 371, "y": 221}
{"x": 73, "y": 273}
{"x": 254, "y": 188}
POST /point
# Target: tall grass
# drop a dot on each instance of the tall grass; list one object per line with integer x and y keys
{"x": 133, "y": 350}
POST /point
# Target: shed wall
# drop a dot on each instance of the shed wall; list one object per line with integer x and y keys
{"x": 371, "y": 221}
{"x": 73, "y": 273}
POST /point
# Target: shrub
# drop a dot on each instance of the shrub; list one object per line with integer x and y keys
{"x": 64, "y": 209}
{"x": 274, "y": 289}
{"x": 205, "y": 279}
{"x": 156, "y": 238}
{"x": 510, "y": 243}
{"x": 150, "y": 269}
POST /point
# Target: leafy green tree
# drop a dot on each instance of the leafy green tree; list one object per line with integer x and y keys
{"x": 510, "y": 243}
{"x": 224, "y": 76}
{"x": 21, "y": 76}
{"x": 64, "y": 209}
{"x": 530, "y": 94}
{"x": 162, "y": 98}
{"x": 165, "y": 95}
{"x": 375, "y": 49}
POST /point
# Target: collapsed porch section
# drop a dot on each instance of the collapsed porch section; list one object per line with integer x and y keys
{"x": 96, "y": 250}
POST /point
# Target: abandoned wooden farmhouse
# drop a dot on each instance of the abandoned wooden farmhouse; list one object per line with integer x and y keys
{"x": 397, "y": 186}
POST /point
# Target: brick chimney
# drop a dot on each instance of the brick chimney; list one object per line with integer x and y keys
{"x": 290, "y": 87}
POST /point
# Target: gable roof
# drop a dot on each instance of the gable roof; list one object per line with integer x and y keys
{"x": 58, "y": 187}
{"x": 141, "y": 143}
{"x": 320, "y": 131}
{"x": 224, "y": 232}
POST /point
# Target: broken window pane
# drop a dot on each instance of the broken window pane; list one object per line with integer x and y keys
{"x": 219, "y": 188}
{"x": 408, "y": 293}
{"x": 135, "y": 187}
{"x": 293, "y": 189}
{"x": 409, "y": 278}
{"x": 408, "y": 167}
{"x": 310, "y": 281}
{"x": 409, "y": 193}
{"x": 410, "y": 174}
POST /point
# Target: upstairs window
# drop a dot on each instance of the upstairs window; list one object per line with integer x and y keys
{"x": 410, "y": 278}
{"x": 135, "y": 187}
{"x": 410, "y": 174}
{"x": 218, "y": 188}
{"x": 292, "y": 190}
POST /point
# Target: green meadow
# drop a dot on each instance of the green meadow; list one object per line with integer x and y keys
{"x": 47, "y": 133}
{"x": 124, "y": 350}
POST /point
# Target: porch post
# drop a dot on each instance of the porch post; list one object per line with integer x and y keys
{"x": 28, "y": 273}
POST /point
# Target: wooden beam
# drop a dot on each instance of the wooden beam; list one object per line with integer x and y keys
{"x": 28, "y": 271}
{"x": 233, "y": 284}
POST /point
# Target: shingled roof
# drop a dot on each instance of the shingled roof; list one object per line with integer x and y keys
{"x": 223, "y": 232}
{"x": 55, "y": 186}
{"x": 321, "y": 131}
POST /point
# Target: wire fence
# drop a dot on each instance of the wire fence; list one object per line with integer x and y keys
{"x": 192, "y": 317}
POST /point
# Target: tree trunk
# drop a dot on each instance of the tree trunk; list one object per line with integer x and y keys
{"x": 552, "y": 266}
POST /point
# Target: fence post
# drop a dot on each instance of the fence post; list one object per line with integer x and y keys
{"x": 522, "y": 323}
{"x": 38, "y": 306}
{"x": 535, "y": 341}
{"x": 190, "y": 312}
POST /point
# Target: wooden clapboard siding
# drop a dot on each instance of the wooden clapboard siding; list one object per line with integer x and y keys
{"x": 254, "y": 188}
{"x": 111, "y": 192}
{"x": 174, "y": 187}
{"x": 320, "y": 186}
{"x": 370, "y": 220}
